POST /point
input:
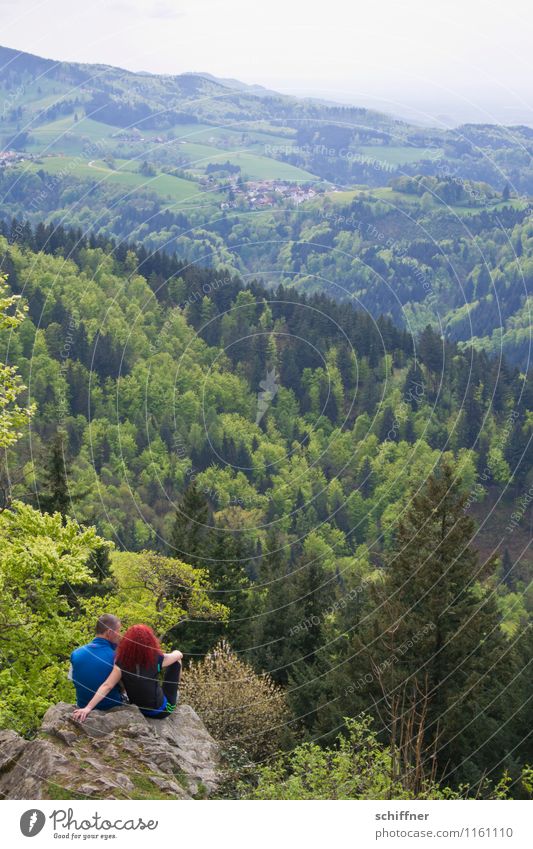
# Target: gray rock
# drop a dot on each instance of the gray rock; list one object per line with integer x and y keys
{"x": 124, "y": 782}
{"x": 195, "y": 750}
{"x": 114, "y": 754}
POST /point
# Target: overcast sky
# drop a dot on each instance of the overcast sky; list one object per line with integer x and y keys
{"x": 469, "y": 58}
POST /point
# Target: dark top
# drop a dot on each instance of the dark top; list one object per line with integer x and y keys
{"x": 143, "y": 687}
{"x": 91, "y": 665}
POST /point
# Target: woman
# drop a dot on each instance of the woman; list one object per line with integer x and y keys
{"x": 138, "y": 662}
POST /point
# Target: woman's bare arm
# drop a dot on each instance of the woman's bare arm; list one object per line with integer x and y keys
{"x": 111, "y": 681}
{"x": 172, "y": 657}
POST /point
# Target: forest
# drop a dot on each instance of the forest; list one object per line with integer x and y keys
{"x": 285, "y": 488}
{"x": 265, "y": 387}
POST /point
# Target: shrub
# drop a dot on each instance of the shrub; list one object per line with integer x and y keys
{"x": 358, "y": 767}
{"x": 239, "y": 707}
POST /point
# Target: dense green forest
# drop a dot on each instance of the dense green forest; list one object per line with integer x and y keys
{"x": 280, "y": 471}
{"x": 470, "y": 277}
{"x": 266, "y": 386}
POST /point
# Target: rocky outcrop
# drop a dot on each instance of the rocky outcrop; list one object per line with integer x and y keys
{"x": 117, "y": 754}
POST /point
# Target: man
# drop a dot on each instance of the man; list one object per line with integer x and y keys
{"x": 91, "y": 664}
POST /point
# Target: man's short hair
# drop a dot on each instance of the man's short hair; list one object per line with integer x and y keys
{"x": 107, "y": 622}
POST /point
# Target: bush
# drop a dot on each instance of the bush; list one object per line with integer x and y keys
{"x": 358, "y": 767}
{"x": 239, "y": 707}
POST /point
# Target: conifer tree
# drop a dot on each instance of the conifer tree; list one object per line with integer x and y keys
{"x": 190, "y": 531}
{"x": 310, "y": 593}
{"x": 364, "y": 478}
{"x": 228, "y": 570}
{"x": 270, "y": 628}
{"x": 437, "y": 634}
{"x": 507, "y": 576}
{"x": 388, "y": 430}
{"x": 56, "y": 497}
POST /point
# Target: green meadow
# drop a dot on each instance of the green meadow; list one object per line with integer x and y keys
{"x": 398, "y": 155}
{"x": 166, "y": 186}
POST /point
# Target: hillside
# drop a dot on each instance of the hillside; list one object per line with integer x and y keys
{"x": 269, "y": 480}
{"x": 424, "y": 226}
{"x": 193, "y": 348}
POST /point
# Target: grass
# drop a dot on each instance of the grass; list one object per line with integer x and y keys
{"x": 490, "y": 207}
{"x": 58, "y": 792}
{"x": 397, "y": 154}
{"x": 340, "y": 197}
{"x": 390, "y": 196}
{"x": 168, "y": 187}
{"x": 386, "y": 194}
{"x": 202, "y": 133}
{"x": 201, "y": 792}
{"x": 63, "y": 129}
{"x": 146, "y": 789}
{"x": 199, "y": 143}
{"x": 253, "y": 166}
{"x": 181, "y": 778}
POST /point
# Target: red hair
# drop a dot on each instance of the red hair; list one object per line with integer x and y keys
{"x": 139, "y": 646}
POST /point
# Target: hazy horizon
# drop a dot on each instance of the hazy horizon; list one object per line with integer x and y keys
{"x": 469, "y": 62}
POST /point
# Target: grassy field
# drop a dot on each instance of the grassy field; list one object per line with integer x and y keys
{"x": 253, "y": 166}
{"x": 399, "y": 155}
{"x": 58, "y": 132}
{"x": 166, "y": 186}
{"x": 263, "y": 168}
{"x": 389, "y": 196}
{"x": 212, "y": 135}
{"x": 200, "y": 144}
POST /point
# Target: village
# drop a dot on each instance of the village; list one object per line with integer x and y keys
{"x": 262, "y": 194}
{"x": 11, "y": 157}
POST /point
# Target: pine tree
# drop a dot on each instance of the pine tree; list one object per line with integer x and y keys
{"x": 270, "y": 631}
{"x": 328, "y": 402}
{"x": 438, "y": 633}
{"x": 413, "y": 390}
{"x": 471, "y": 419}
{"x": 409, "y": 433}
{"x": 507, "y": 576}
{"x": 365, "y": 479}
{"x": 311, "y": 591}
{"x": 55, "y": 497}
{"x": 431, "y": 353}
{"x": 191, "y": 529}
{"x": 388, "y": 429}
{"x": 229, "y": 582}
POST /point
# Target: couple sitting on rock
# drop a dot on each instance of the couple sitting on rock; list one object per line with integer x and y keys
{"x": 134, "y": 661}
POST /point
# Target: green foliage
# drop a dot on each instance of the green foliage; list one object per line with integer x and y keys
{"x": 160, "y": 591}
{"x": 432, "y": 632}
{"x": 240, "y": 708}
{"x": 13, "y": 417}
{"x": 289, "y": 518}
{"x": 55, "y": 496}
{"x": 310, "y": 527}
{"x": 358, "y": 767}
{"x": 191, "y": 526}
{"x": 43, "y": 563}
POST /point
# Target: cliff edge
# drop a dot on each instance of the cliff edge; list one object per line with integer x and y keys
{"x": 117, "y": 754}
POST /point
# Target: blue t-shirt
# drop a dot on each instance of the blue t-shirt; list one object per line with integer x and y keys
{"x": 91, "y": 666}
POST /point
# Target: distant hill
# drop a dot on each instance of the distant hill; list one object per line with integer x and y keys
{"x": 200, "y": 95}
{"x": 417, "y": 223}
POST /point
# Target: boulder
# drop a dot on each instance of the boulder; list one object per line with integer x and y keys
{"x": 115, "y": 754}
